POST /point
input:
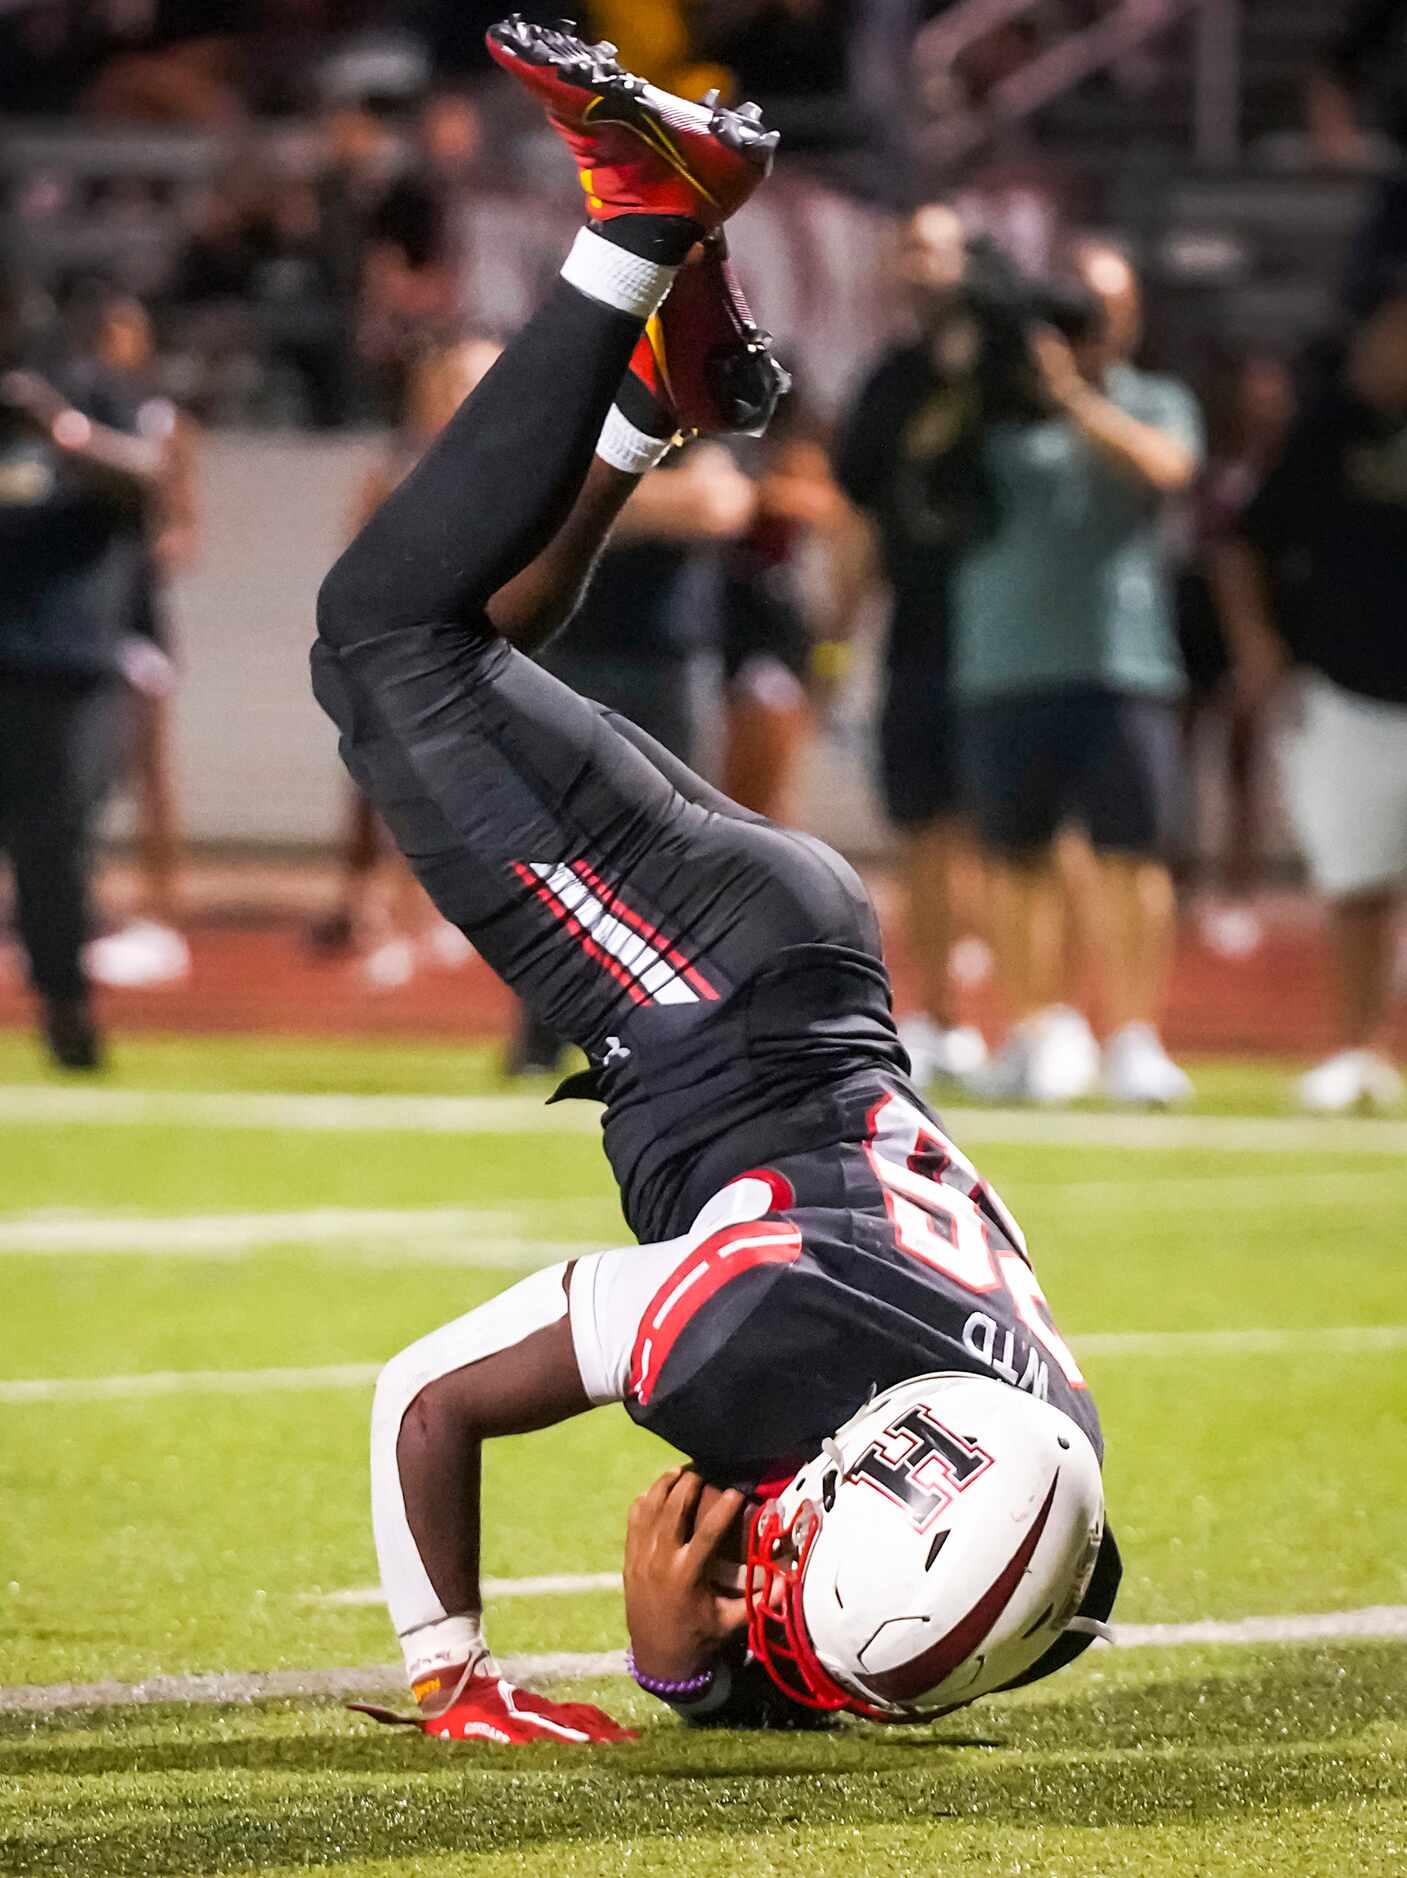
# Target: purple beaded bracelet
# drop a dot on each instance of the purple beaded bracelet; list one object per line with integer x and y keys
{"x": 670, "y": 1691}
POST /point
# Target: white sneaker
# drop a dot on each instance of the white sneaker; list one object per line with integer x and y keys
{"x": 1137, "y": 1069}
{"x": 1351, "y": 1079}
{"x": 1049, "y": 1057}
{"x": 445, "y": 947}
{"x": 1005, "y": 1077}
{"x": 142, "y": 953}
{"x": 947, "y": 1050}
{"x": 1064, "y": 1055}
{"x": 1232, "y": 931}
{"x": 388, "y": 966}
{"x": 970, "y": 962}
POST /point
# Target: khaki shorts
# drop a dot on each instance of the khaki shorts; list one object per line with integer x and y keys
{"x": 1345, "y": 765}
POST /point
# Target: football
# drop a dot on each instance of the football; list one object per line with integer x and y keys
{"x": 726, "y": 1571}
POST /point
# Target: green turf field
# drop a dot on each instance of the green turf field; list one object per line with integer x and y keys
{"x": 202, "y": 1263}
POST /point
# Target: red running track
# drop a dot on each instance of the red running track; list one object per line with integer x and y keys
{"x": 259, "y": 976}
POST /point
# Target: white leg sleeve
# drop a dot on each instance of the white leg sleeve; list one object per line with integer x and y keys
{"x": 432, "y": 1637}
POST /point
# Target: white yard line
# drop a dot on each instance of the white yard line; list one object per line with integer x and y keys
{"x": 554, "y": 1585}
{"x": 1360, "y": 1339}
{"x": 456, "y": 1235}
{"x": 493, "y": 1236}
{"x": 1351, "y": 1340}
{"x": 1217, "y": 1134}
{"x": 520, "y": 1114}
{"x": 317, "y": 1114}
{"x": 1208, "y": 1188}
{"x": 1377, "y": 1620}
{"x": 1381, "y": 1620}
{"x": 368, "y": 1679}
{"x": 186, "y": 1382}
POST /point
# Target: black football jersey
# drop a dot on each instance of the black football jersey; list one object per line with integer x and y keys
{"x": 885, "y": 1257}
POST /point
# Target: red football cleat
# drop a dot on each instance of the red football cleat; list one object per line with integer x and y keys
{"x": 637, "y": 149}
{"x": 489, "y": 1709}
{"x": 703, "y": 359}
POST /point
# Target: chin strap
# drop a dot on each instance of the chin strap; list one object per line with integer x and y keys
{"x": 1092, "y": 1627}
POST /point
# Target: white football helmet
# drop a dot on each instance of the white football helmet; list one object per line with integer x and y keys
{"x": 937, "y": 1547}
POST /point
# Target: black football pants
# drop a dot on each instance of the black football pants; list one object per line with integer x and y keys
{"x": 599, "y": 876}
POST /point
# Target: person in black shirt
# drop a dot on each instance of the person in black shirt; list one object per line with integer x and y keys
{"x": 895, "y": 459}
{"x": 72, "y": 486}
{"x": 1317, "y": 576}
{"x": 416, "y": 271}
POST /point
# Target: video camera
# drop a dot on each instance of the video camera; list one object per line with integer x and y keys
{"x": 1007, "y": 306}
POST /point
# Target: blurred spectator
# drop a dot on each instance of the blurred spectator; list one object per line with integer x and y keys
{"x": 1249, "y": 411}
{"x": 48, "y": 53}
{"x": 212, "y": 332}
{"x": 73, "y": 483}
{"x": 381, "y": 910}
{"x": 1366, "y": 62}
{"x": 168, "y": 61}
{"x": 1066, "y": 664}
{"x": 632, "y": 643}
{"x": 150, "y": 948}
{"x": 353, "y": 172}
{"x": 414, "y": 282}
{"x": 896, "y": 460}
{"x": 766, "y": 636}
{"x": 293, "y": 292}
{"x": 1318, "y": 576}
{"x": 199, "y": 62}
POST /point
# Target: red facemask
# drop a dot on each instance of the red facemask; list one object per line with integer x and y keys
{"x": 777, "y": 1636}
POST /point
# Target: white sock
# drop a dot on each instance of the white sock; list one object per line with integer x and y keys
{"x": 615, "y": 277}
{"x": 435, "y": 1648}
{"x": 627, "y": 448}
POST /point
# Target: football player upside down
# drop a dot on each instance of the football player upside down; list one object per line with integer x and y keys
{"x": 830, "y": 1313}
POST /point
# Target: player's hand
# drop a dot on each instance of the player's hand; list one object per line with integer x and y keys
{"x": 677, "y": 1616}
{"x": 491, "y": 1709}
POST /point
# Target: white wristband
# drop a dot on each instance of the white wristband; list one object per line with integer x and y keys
{"x": 626, "y": 448}
{"x": 615, "y": 277}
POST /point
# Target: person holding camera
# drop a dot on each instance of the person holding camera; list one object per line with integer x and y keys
{"x": 74, "y": 485}
{"x": 898, "y": 459}
{"x": 1067, "y": 672}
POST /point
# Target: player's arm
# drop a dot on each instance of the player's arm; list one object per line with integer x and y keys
{"x": 507, "y": 1368}
{"x": 706, "y": 499}
{"x": 541, "y": 599}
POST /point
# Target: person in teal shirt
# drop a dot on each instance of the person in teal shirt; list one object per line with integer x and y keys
{"x": 1067, "y": 674}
